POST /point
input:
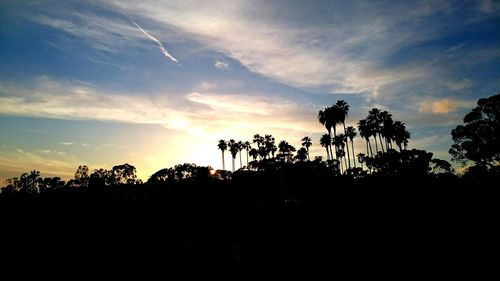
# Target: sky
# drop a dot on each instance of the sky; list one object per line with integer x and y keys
{"x": 158, "y": 83}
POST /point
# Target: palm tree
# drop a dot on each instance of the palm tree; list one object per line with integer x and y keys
{"x": 340, "y": 141}
{"x": 328, "y": 117}
{"x": 365, "y": 132}
{"x": 285, "y": 150}
{"x": 307, "y": 142}
{"x": 270, "y": 145}
{"x": 254, "y": 153}
{"x": 342, "y": 111}
{"x": 401, "y": 135}
{"x": 233, "y": 148}
{"x": 351, "y": 133}
{"x": 325, "y": 142}
{"x": 387, "y": 127}
{"x": 259, "y": 140}
{"x": 222, "y": 146}
{"x": 247, "y": 147}
{"x": 240, "y": 148}
{"x": 375, "y": 123}
{"x": 302, "y": 154}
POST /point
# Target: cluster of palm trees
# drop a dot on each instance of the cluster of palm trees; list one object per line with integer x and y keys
{"x": 330, "y": 117}
{"x": 266, "y": 148}
{"x": 385, "y": 132}
{"x": 378, "y": 127}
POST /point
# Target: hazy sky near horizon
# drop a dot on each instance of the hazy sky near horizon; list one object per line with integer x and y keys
{"x": 157, "y": 83}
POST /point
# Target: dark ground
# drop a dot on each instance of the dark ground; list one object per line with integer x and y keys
{"x": 223, "y": 231}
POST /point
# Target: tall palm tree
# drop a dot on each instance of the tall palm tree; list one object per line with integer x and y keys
{"x": 365, "y": 132}
{"x": 375, "y": 122}
{"x": 222, "y": 146}
{"x": 247, "y": 147}
{"x": 240, "y": 148}
{"x": 307, "y": 142}
{"x": 401, "y": 135}
{"x": 351, "y": 133}
{"x": 325, "y": 142}
{"x": 387, "y": 128}
{"x": 340, "y": 142}
{"x": 270, "y": 145}
{"x": 285, "y": 150}
{"x": 233, "y": 148}
{"x": 328, "y": 117}
{"x": 343, "y": 111}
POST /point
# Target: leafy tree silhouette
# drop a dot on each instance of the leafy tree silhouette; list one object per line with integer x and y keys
{"x": 478, "y": 140}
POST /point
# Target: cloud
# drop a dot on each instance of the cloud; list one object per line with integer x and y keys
{"x": 67, "y": 143}
{"x": 444, "y": 106}
{"x": 460, "y": 85}
{"x": 204, "y": 114}
{"x": 221, "y": 65}
{"x": 160, "y": 45}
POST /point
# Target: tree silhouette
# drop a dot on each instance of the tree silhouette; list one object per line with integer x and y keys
{"x": 285, "y": 150}
{"x": 351, "y": 134}
{"x": 240, "y": 149}
{"x": 302, "y": 154}
{"x": 328, "y": 118}
{"x": 247, "y": 147}
{"x": 325, "y": 142}
{"x": 478, "y": 140}
{"x": 374, "y": 122}
{"x": 400, "y": 135}
{"x": 307, "y": 142}
{"x": 342, "y": 112}
{"x": 387, "y": 128}
{"x": 366, "y": 132}
{"x": 223, "y": 147}
{"x": 82, "y": 176}
{"x": 124, "y": 174}
{"x": 233, "y": 149}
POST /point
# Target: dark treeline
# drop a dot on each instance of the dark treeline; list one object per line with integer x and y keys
{"x": 396, "y": 205}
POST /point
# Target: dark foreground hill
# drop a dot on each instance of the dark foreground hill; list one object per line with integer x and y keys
{"x": 246, "y": 228}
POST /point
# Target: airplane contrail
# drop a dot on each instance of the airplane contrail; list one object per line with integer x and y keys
{"x": 160, "y": 45}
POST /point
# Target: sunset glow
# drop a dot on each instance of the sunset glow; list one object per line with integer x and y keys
{"x": 158, "y": 83}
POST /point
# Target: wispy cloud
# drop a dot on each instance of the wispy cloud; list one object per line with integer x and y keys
{"x": 67, "y": 143}
{"x": 221, "y": 65}
{"x": 160, "y": 45}
{"x": 205, "y": 114}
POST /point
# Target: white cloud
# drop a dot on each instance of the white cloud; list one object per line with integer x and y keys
{"x": 205, "y": 114}
{"x": 67, "y": 143}
{"x": 221, "y": 65}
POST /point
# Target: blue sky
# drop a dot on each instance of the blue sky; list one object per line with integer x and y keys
{"x": 88, "y": 82}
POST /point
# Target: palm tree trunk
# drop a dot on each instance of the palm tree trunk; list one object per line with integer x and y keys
{"x": 381, "y": 144}
{"x": 223, "y": 165}
{"x": 327, "y": 153}
{"x": 308, "y": 154}
{"x": 233, "y": 163}
{"x": 347, "y": 144}
{"x": 241, "y": 163}
{"x": 247, "y": 156}
{"x": 353, "y": 155}
{"x": 376, "y": 146}
{"x": 371, "y": 151}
